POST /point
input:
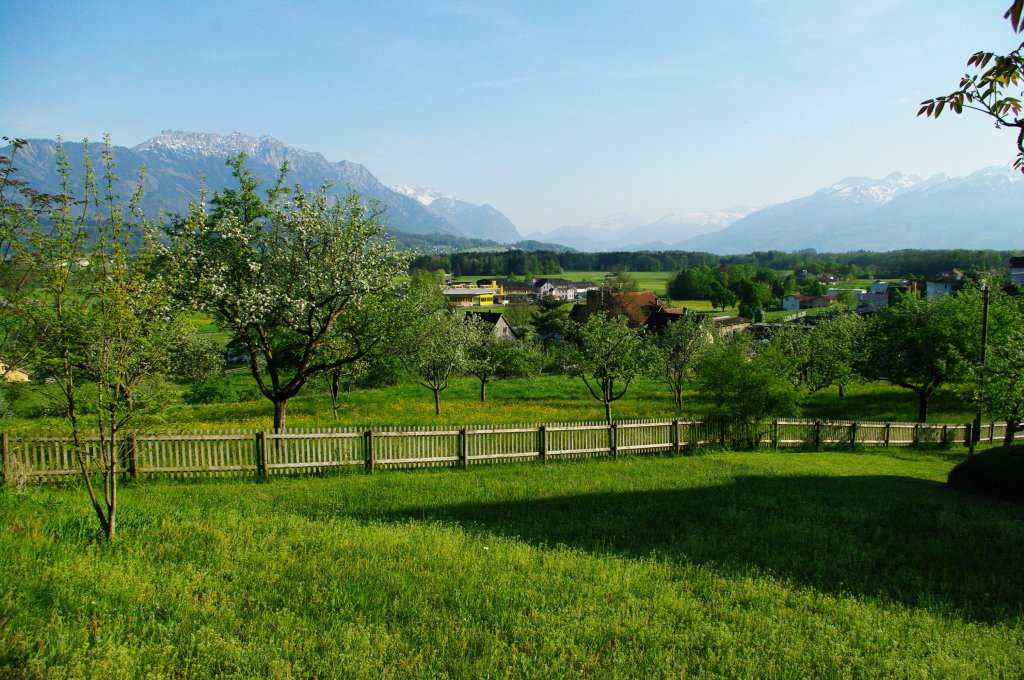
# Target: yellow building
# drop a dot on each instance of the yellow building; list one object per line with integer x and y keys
{"x": 472, "y": 296}
{"x": 8, "y": 374}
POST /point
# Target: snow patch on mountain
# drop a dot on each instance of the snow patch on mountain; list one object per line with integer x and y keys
{"x": 422, "y": 194}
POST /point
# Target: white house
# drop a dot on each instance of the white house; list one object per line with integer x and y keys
{"x": 796, "y": 301}
{"x": 557, "y": 289}
{"x": 1015, "y": 272}
{"x": 945, "y": 283}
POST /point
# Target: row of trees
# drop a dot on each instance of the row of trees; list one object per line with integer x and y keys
{"x": 855, "y": 265}
{"x": 918, "y": 344}
{"x": 753, "y": 288}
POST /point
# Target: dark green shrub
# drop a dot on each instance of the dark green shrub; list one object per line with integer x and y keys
{"x": 216, "y": 390}
{"x": 997, "y": 472}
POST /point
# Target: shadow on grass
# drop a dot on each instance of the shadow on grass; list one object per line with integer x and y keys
{"x": 906, "y": 540}
{"x": 884, "y": 403}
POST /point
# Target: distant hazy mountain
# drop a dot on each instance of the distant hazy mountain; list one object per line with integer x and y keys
{"x": 177, "y": 162}
{"x": 627, "y": 232}
{"x": 595, "y": 235}
{"x": 478, "y": 221}
{"x": 982, "y": 210}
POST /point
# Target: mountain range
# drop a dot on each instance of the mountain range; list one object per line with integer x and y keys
{"x": 179, "y": 164}
{"x": 981, "y": 210}
{"x": 984, "y": 210}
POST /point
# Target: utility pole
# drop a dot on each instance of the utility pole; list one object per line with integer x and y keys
{"x": 976, "y": 430}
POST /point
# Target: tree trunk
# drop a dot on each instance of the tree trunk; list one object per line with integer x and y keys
{"x": 1012, "y": 428}
{"x": 922, "y": 407}
{"x": 842, "y": 390}
{"x": 335, "y": 390}
{"x": 111, "y": 519}
{"x": 483, "y": 390}
{"x": 608, "y": 411}
{"x": 679, "y": 399}
{"x": 437, "y": 402}
{"x": 279, "y": 415}
{"x": 111, "y": 525}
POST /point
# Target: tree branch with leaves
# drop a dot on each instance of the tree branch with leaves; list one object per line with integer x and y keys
{"x": 995, "y": 90}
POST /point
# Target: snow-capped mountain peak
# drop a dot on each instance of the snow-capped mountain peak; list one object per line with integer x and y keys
{"x": 422, "y": 194}
{"x": 866, "y": 190}
{"x": 207, "y": 144}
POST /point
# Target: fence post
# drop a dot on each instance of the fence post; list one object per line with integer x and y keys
{"x": 5, "y": 444}
{"x": 613, "y": 433}
{"x": 991, "y": 432}
{"x": 675, "y": 436}
{"x": 887, "y": 429}
{"x": 261, "y": 454}
{"x": 543, "y": 449}
{"x": 969, "y": 437}
{"x": 817, "y": 435}
{"x": 133, "y": 461}
{"x": 464, "y": 448}
{"x": 853, "y": 435}
{"x": 775, "y": 433}
{"x": 371, "y": 461}
{"x": 945, "y": 431}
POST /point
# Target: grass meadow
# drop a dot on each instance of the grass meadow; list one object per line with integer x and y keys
{"x": 543, "y": 399}
{"x": 771, "y": 565}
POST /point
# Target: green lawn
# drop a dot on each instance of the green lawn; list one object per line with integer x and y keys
{"x": 719, "y": 565}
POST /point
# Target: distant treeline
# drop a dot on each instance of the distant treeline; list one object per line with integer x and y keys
{"x": 859, "y": 264}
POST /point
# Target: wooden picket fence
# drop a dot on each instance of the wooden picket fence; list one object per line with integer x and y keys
{"x": 31, "y": 457}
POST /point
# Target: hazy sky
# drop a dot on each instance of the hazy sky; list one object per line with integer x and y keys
{"x": 553, "y": 112}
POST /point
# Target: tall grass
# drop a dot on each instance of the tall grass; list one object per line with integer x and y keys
{"x": 721, "y": 565}
{"x": 544, "y": 399}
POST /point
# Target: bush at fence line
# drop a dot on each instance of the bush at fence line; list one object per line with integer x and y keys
{"x": 997, "y": 472}
{"x": 16, "y": 474}
{"x": 214, "y": 390}
{"x": 219, "y": 389}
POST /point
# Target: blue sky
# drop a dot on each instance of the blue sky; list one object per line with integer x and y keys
{"x": 554, "y": 113}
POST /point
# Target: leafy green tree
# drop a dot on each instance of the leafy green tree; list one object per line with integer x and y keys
{"x": 194, "y": 357}
{"x": 693, "y": 283}
{"x": 845, "y": 300}
{"x": 1000, "y": 385}
{"x": 607, "y": 355}
{"x": 551, "y": 319}
{"x": 995, "y": 89}
{"x": 788, "y": 286}
{"x": 753, "y": 296}
{"x": 824, "y": 355}
{"x": 489, "y": 357}
{"x": 836, "y": 347}
{"x": 920, "y": 344}
{"x": 520, "y": 317}
{"x": 20, "y": 210}
{"x": 439, "y": 353}
{"x": 747, "y": 383}
{"x": 295, "y": 279}
{"x": 720, "y": 297}
{"x": 679, "y": 347}
{"x": 812, "y": 287}
{"x": 101, "y": 311}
